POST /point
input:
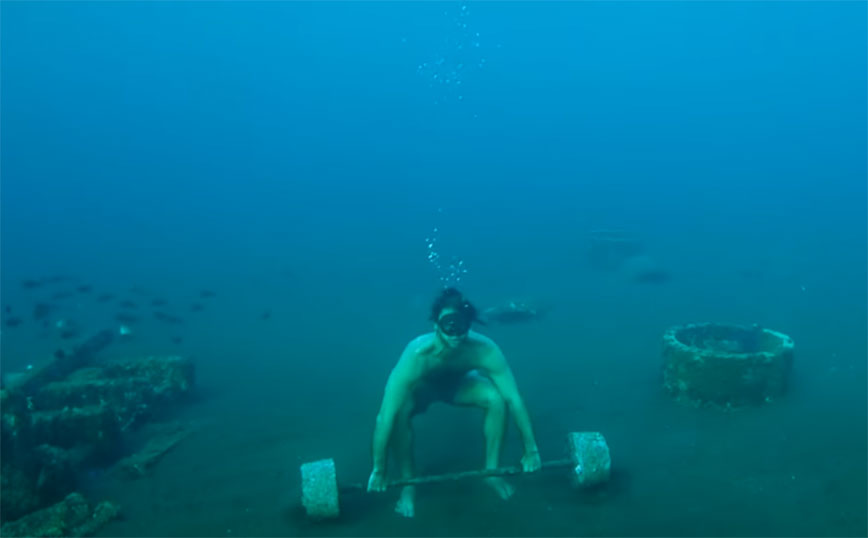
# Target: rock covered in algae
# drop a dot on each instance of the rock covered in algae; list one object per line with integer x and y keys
{"x": 726, "y": 366}
{"x": 163, "y": 440}
{"x": 72, "y": 516}
{"x": 53, "y": 425}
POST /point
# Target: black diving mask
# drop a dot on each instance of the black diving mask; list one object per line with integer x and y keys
{"x": 455, "y": 324}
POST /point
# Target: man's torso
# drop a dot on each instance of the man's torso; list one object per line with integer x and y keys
{"x": 435, "y": 362}
{"x": 442, "y": 371}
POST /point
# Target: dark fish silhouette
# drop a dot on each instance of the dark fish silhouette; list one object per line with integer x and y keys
{"x": 56, "y": 279}
{"x": 86, "y": 288}
{"x": 652, "y": 276}
{"x": 33, "y": 283}
{"x": 105, "y": 297}
{"x": 140, "y": 291}
{"x": 265, "y": 315}
{"x": 196, "y": 307}
{"x": 512, "y": 312}
{"x": 645, "y": 270}
{"x": 41, "y": 311}
{"x": 609, "y": 249}
{"x": 206, "y": 294}
{"x": 126, "y": 303}
{"x": 58, "y": 295}
{"x": 13, "y": 321}
{"x": 158, "y": 302}
{"x": 125, "y": 317}
{"x": 168, "y": 318}
{"x": 69, "y": 329}
{"x": 177, "y": 339}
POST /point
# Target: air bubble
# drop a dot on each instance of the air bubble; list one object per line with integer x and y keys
{"x": 450, "y": 273}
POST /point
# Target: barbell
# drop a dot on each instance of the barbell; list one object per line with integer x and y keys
{"x": 588, "y": 460}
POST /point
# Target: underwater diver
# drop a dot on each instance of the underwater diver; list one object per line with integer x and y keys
{"x": 457, "y": 366}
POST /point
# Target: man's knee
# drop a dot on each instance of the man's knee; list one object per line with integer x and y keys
{"x": 491, "y": 400}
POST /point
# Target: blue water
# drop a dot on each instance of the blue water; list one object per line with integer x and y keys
{"x": 295, "y": 159}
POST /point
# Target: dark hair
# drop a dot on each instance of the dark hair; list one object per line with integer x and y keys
{"x": 452, "y": 298}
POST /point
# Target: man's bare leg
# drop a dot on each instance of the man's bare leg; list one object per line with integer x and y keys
{"x": 402, "y": 443}
{"x": 494, "y": 429}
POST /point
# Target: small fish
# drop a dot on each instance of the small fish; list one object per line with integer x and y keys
{"x": 140, "y": 291}
{"x": 265, "y": 315}
{"x": 8, "y": 309}
{"x": 207, "y": 294}
{"x": 85, "y": 288}
{"x": 168, "y": 318}
{"x": 56, "y": 279}
{"x": 41, "y": 311}
{"x": 177, "y": 339}
{"x": 13, "y": 321}
{"x": 31, "y": 284}
{"x": 125, "y": 317}
{"x": 196, "y": 307}
{"x": 126, "y": 303}
{"x": 58, "y": 295}
{"x": 68, "y": 329}
{"x": 158, "y": 302}
{"x": 105, "y": 297}
{"x": 59, "y": 354}
{"x": 652, "y": 276}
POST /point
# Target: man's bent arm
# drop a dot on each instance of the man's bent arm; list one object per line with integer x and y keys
{"x": 397, "y": 390}
{"x": 522, "y": 422}
{"x": 502, "y": 377}
{"x": 382, "y": 433}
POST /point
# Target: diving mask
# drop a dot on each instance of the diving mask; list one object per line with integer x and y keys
{"x": 455, "y": 324}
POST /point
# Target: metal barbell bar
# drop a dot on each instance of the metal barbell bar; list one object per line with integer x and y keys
{"x": 588, "y": 459}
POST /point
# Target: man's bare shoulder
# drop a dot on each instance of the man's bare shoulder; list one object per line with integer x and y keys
{"x": 482, "y": 351}
{"x": 482, "y": 343}
{"x": 421, "y": 345}
{"x": 413, "y": 361}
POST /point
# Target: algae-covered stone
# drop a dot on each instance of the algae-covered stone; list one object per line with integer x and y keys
{"x": 70, "y": 517}
{"x": 163, "y": 440}
{"x": 95, "y": 426}
{"x": 18, "y": 494}
{"x": 725, "y": 366}
{"x": 135, "y": 390}
{"x": 593, "y": 464}
{"x": 74, "y": 412}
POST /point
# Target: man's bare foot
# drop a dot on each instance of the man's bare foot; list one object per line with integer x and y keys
{"x": 500, "y": 486}
{"x": 407, "y": 503}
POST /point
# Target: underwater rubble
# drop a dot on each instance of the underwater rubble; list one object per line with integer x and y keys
{"x": 726, "y": 366}
{"x": 162, "y": 440}
{"x": 70, "y": 517}
{"x": 73, "y": 414}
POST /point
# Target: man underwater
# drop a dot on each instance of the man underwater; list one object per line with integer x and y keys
{"x": 457, "y": 366}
